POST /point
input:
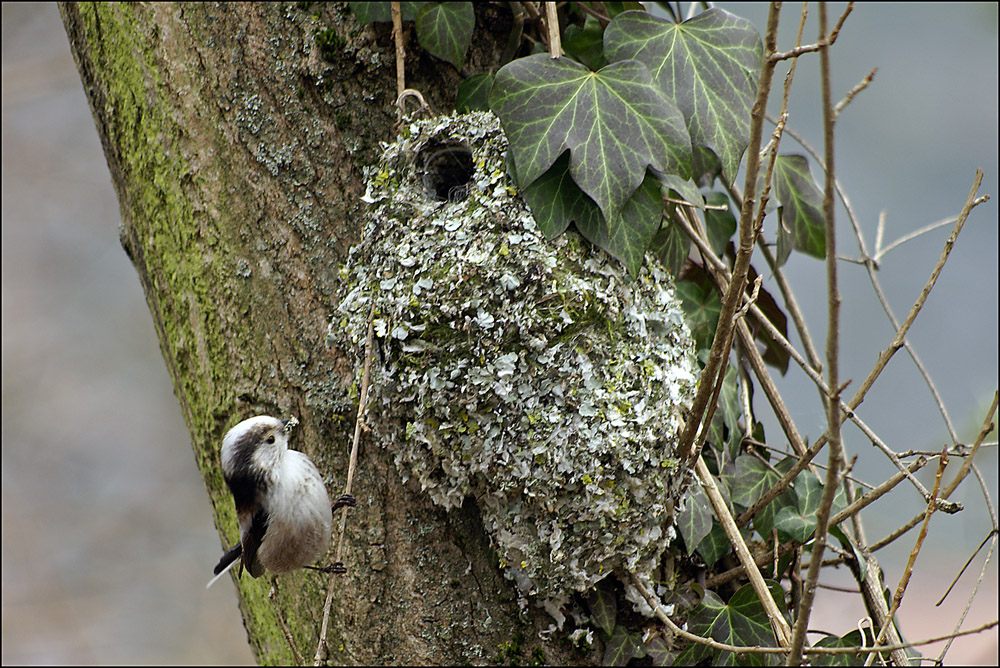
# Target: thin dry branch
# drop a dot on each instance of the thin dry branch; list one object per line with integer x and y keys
{"x": 836, "y": 455}
{"x": 351, "y": 468}
{"x": 552, "y": 27}
{"x": 861, "y": 85}
{"x": 908, "y": 570}
{"x": 781, "y": 630}
{"x": 723, "y": 334}
{"x": 972, "y": 596}
{"x": 661, "y": 614}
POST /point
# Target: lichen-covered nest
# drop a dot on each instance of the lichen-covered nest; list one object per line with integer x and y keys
{"x": 533, "y": 375}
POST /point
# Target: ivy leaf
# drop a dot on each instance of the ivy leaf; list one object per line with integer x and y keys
{"x": 799, "y": 520}
{"x": 671, "y": 245}
{"x": 614, "y": 122}
{"x": 742, "y": 622}
{"x": 720, "y": 225}
{"x": 381, "y": 12}
{"x": 708, "y": 66}
{"x": 701, "y": 303}
{"x": 604, "y": 606}
{"x": 852, "y": 639}
{"x": 792, "y": 522}
{"x": 622, "y": 647}
{"x": 474, "y": 93}
{"x": 628, "y": 240}
{"x": 752, "y": 479}
{"x": 801, "y": 223}
{"x": 695, "y": 521}
{"x": 555, "y": 201}
{"x": 658, "y": 651}
{"x": 727, "y": 413}
{"x": 586, "y": 43}
{"x": 715, "y": 545}
{"x": 445, "y": 29}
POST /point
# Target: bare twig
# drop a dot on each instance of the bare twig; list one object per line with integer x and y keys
{"x": 985, "y": 429}
{"x": 585, "y": 7}
{"x": 397, "y": 36}
{"x": 990, "y": 536}
{"x": 351, "y": 467}
{"x": 874, "y": 495}
{"x": 854, "y": 91}
{"x": 972, "y": 595}
{"x": 723, "y": 334}
{"x": 658, "y": 610}
{"x": 908, "y": 570}
{"x": 552, "y": 26}
{"x": 823, "y": 42}
{"x": 781, "y": 630}
{"x": 836, "y": 456}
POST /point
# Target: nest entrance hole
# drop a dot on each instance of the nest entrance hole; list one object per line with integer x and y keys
{"x": 446, "y": 170}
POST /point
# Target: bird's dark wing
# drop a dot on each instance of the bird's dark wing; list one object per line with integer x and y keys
{"x": 251, "y": 536}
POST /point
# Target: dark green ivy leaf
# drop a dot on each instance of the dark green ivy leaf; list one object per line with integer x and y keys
{"x": 614, "y": 122}
{"x": 720, "y": 225}
{"x": 852, "y": 639}
{"x": 604, "y": 606}
{"x": 801, "y": 222}
{"x": 474, "y": 93}
{"x": 586, "y": 43}
{"x": 715, "y": 545}
{"x": 799, "y": 520}
{"x": 622, "y": 647}
{"x": 657, "y": 650}
{"x": 671, "y": 246}
{"x": 708, "y": 66}
{"x": 701, "y": 303}
{"x": 555, "y": 200}
{"x": 381, "y": 12}
{"x": 742, "y": 622}
{"x": 751, "y": 480}
{"x": 695, "y": 521}
{"x": 628, "y": 240}
{"x": 445, "y": 29}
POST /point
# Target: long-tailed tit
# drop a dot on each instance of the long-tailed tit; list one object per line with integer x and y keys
{"x": 283, "y": 509}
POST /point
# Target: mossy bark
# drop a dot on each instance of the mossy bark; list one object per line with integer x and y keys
{"x": 236, "y": 146}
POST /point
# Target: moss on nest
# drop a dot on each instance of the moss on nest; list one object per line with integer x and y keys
{"x": 531, "y": 374}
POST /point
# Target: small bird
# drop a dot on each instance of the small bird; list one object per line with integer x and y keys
{"x": 282, "y": 506}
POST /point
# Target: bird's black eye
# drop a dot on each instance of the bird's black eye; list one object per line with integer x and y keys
{"x": 270, "y": 439}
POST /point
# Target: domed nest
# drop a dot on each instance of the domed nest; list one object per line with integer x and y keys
{"x": 531, "y": 374}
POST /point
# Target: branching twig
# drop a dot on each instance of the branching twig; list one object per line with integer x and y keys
{"x": 723, "y": 333}
{"x": 658, "y": 610}
{"x": 908, "y": 570}
{"x": 972, "y": 595}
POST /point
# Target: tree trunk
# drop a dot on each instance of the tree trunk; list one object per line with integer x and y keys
{"x": 236, "y": 135}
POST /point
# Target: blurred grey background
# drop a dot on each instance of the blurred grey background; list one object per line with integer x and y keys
{"x": 107, "y": 532}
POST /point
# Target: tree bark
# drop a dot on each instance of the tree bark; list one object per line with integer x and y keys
{"x": 236, "y": 146}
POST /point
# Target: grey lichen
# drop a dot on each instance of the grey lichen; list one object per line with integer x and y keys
{"x": 533, "y": 375}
